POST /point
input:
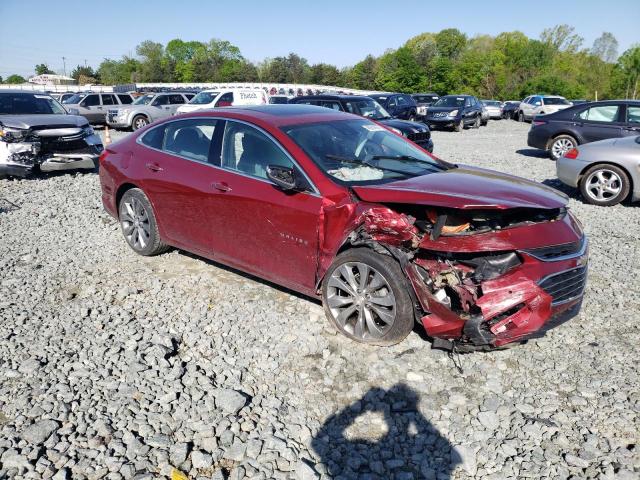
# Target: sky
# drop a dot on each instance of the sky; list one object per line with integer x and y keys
{"x": 337, "y": 32}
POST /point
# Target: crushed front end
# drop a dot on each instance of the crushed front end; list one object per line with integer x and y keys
{"x": 26, "y": 150}
{"x": 485, "y": 278}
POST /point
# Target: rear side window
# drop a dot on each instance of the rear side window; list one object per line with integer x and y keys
{"x": 603, "y": 113}
{"x": 225, "y": 100}
{"x": 633, "y": 114}
{"x": 109, "y": 99}
{"x": 186, "y": 138}
{"x": 176, "y": 99}
{"x": 125, "y": 99}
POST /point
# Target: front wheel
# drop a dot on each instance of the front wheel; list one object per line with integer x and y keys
{"x": 139, "y": 121}
{"x": 138, "y": 223}
{"x": 605, "y": 185}
{"x": 521, "y": 117}
{"x": 459, "y": 126}
{"x": 477, "y": 122}
{"x": 365, "y": 296}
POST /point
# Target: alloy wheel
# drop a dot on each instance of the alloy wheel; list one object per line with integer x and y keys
{"x": 139, "y": 123}
{"x": 135, "y": 223}
{"x": 561, "y": 146}
{"x": 361, "y": 300}
{"x": 603, "y": 185}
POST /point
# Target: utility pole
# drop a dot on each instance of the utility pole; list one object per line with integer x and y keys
{"x": 64, "y": 66}
{"x": 85, "y": 63}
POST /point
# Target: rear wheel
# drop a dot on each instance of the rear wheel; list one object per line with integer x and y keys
{"x": 365, "y": 296}
{"x": 139, "y": 121}
{"x": 605, "y": 185}
{"x": 138, "y": 224}
{"x": 561, "y": 145}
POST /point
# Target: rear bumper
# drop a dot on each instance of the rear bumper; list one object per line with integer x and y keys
{"x": 568, "y": 170}
{"x": 536, "y": 138}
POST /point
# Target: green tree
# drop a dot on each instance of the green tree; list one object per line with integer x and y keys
{"x": 363, "y": 74}
{"x": 562, "y": 37}
{"x": 153, "y": 64}
{"x": 629, "y": 65}
{"x": 42, "y": 69}
{"x": 399, "y": 71}
{"x": 84, "y": 75}
{"x": 450, "y": 42}
{"x": 14, "y": 79}
{"x": 113, "y": 72}
{"x": 605, "y": 47}
{"x": 325, "y": 74}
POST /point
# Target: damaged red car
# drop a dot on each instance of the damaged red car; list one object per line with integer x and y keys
{"x": 337, "y": 206}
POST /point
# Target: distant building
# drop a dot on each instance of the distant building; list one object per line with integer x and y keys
{"x": 52, "y": 79}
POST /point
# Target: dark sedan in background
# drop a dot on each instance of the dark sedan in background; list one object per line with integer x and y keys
{"x": 418, "y": 133}
{"x": 455, "y": 111}
{"x": 399, "y": 105}
{"x": 510, "y": 109}
{"x": 559, "y": 132}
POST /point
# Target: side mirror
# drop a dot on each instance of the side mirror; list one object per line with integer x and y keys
{"x": 285, "y": 178}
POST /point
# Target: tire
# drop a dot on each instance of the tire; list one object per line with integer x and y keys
{"x": 138, "y": 224}
{"x": 349, "y": 306}
{"x": 605, "y": 185}
{"x": 484, "y": 123}
{"x": 561, "y": 145}
{"x": 459, "y": 126}
{"x": 138, "y": 122}
{"x": 520, "y": 117}
{"x": 412, "y": 116}
{"x": 477, "y": 122}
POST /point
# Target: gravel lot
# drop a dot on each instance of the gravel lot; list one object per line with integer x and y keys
{"x": 117, "y": 366}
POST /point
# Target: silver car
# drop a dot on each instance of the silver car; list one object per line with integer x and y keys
{"x": 494, "y": 108}
{"x": 94, "y": 106}
{"x": 147, "y": 109}
{"x": 606, "y": 172}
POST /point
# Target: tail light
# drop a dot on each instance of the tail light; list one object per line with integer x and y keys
{"x": 572, "y": 154}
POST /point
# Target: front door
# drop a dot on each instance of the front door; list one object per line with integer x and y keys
{"x": 259, "y": 228}
{"x": 631, "y": 127}
{"x": 600, "y": 122}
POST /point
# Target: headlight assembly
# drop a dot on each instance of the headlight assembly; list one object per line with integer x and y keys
{"x": 8, "y": 134}
{"x": 454, "y": 113}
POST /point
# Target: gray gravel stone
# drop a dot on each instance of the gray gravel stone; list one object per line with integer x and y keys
{"x": 39, "y": 431}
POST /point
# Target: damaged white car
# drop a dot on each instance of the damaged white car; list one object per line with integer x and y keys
{"x": 37, "y": 134}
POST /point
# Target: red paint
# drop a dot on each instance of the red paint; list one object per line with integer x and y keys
{"x": 292, "y": 239}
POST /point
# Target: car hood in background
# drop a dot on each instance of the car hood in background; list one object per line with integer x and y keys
{"x": 404, "y": 126}
{"x": 40, "y": 121}
{"x": 466, "y": 187}
{"x": 442, "y": 109}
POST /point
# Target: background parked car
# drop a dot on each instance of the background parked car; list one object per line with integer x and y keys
{"x": 94, "y": 106}
{"x": 207, "y": 99}
{"x": 278, "y": 99}
{"x": 559, "y": 132}
{"x": 510, "y": 109}
{"x": 367, "y": 107}
{"x": 540, "y": 105}
{"x": 455, "y": 111}
{"x": 146, "y": 109}
{"x": 607, "y": 172}
{"x": 424, "y": 101}
{"x": 398, "y": 105}
{"x": 494, "y": 108}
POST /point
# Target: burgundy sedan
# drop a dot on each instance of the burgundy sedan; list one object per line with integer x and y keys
{"x": 337, "y": 206}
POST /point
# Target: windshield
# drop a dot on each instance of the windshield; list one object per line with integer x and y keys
{"x": 491, "y": 103}
{"x": 555, "y": 101}
{"x": 360, "y": 152}
{"x": 425, "y": 98}
{"x": 77, "y": 98}
{"x": 203, "y": 98}
{"x": 450, "y": 102}
{"x": 144, "y": 100}
{"x": 367, "y": 108}
{"x": 26, "y": 104}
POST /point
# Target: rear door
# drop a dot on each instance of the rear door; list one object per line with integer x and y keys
{"x": 177, "y": 167}
{"x": 631, "y": 126}
{"x": 600, "y": 122}
{"x": 258, "y": 227}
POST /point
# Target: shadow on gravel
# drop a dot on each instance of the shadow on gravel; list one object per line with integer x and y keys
{"x": 566, "y": 189}
{"x": 402, "y": 445}
{"x": 533, "y": 152}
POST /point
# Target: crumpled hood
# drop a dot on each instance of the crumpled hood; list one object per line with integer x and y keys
{"x": 39, "y": 121}
{"x": 466, "y": 187}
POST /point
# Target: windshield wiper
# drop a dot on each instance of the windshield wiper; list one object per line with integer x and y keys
{"x": 410, "y": 159}
{"x": 355, "y": 161}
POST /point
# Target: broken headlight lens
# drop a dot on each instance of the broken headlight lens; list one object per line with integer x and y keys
{"x": 11, "y": 134}
{"x": 87, "y": 131}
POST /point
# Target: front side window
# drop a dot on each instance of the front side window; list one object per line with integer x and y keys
{"x": 160, "y": 100}
{"x": 402, "y": 101}
{"x": 144, "y": 99}
{"x": 449, "y": 102}
{"x": 247, "y": 150}
{"x": 603, "y": 113}
{"x": 225, "y": 100}
{"x": 367, "y": 108}
{"x": 74, "y": 99}
{"x": 189, "y": 138}
{"x": 358, "y": 151}
{"x": 204, "y": 98}
{"x": 91, "y": 101}
{"x": 633, "y": 114}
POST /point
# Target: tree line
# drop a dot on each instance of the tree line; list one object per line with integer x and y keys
{"x": 506, "y": 66}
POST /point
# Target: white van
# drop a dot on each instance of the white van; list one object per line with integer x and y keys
{"x": 208, "y": 99}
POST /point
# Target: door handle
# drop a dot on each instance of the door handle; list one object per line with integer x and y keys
{"x": 221, "y": 186}
{"x": 154, "y": 167}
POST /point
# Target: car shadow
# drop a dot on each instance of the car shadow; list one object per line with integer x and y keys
{"x": 534, "y": 153}
{"x": 398, "y": 442}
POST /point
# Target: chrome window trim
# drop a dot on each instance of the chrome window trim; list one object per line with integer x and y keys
{"x": 579, "y": 253}
{"x": 315, "y": 191}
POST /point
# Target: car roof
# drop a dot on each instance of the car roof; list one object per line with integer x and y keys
{"x": 278, "y": 114}
{"x": 27, "y": 92}
{"x": 463, "y": 96}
